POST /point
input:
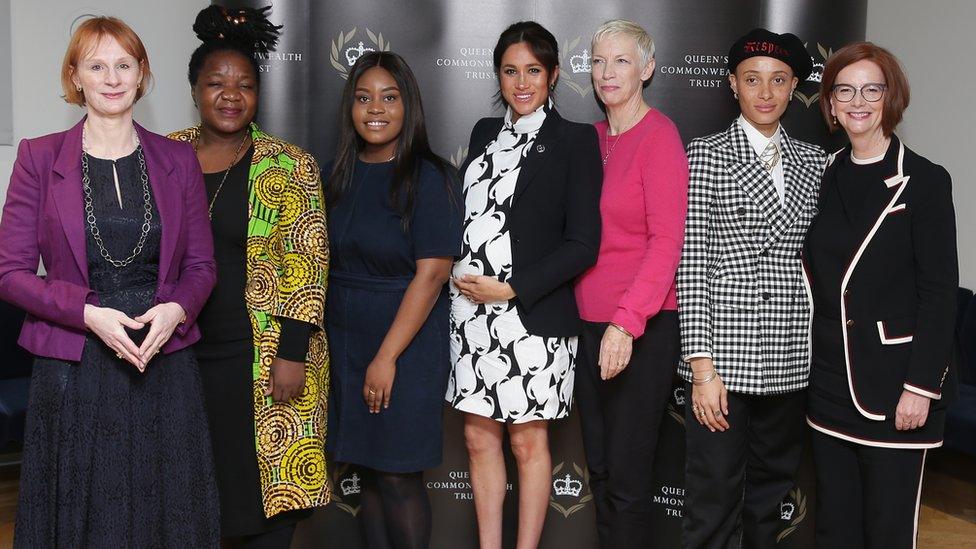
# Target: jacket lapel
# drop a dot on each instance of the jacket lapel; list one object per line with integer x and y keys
{"x": 754, "y": 179}
{"x": 801, "y": 180}
{"x": 168, "y": 196}
{"x": 541, "y": 150}
{"x": 67, "y": 195}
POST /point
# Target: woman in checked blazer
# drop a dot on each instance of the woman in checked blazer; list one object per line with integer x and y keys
{"x": 743, "y": 307}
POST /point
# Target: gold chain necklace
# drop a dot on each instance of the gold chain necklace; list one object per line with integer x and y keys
{"x": 233, "y": 161}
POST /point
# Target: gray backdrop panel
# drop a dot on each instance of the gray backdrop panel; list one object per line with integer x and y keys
{"x": 448, "y": 44}
{"x": 6, "y": 77}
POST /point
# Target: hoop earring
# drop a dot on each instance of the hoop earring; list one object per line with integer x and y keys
{"x": 835, "y": 120}
{"x": 791, "y": 94}
{"x": 735, "y": 94}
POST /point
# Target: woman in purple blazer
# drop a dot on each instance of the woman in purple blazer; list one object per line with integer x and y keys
{"x": 116, "y": 452}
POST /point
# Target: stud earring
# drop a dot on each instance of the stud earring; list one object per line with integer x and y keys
{"x": 78, "y": 88}
{"x": 835, "y": 120}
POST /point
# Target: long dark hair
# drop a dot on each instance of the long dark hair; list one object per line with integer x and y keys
{"x": 413, "y": 147}
{"x": 246, "y": 31}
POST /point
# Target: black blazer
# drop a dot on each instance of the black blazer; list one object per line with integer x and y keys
{"x": 555, "y": 219}
{"x": 899, "y": 290}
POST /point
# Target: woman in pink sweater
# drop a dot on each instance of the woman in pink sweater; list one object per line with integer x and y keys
{"x": 629, "y": 347}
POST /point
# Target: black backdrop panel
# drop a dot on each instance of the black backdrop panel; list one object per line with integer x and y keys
{"x": 448, "y": 44}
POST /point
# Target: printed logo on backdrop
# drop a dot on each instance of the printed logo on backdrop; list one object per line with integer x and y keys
{"x": 672, "y": 499}
{"x": 698, "y": 70}
{"x": 348, "y": 488}
{"x": 347, "y": 48}
{"x": 792, "y": 511}
{"x": 815, "y": 77}
{"x": 458, "y": 483}
{"x": 577, "y": 75}
{"x": 568, "y": 495}
{"x": 676, "y": 405}
{"x": 475, "y": 63}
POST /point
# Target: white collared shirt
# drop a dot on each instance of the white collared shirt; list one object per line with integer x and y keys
{"x": 759, "y": 143}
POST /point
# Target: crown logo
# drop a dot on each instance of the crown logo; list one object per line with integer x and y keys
{"x": 350, "y": 486}
{"x": 786, "y": 510}
{"x": 679, "y": 396}
{"x": 567, "y": 486}
{"x": 581, "y": 62}
{"x": 353, "y": 54}
{"x": 817, "y": 74}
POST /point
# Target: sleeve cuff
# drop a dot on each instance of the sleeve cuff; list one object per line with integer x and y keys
{"x": 293, "y": 342}
{"x": 697, "y": 355}
{"x": 920, "y": 391}
{"x": 629, "y": 321}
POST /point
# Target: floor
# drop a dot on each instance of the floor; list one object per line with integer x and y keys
{"x": 947, "y": 521}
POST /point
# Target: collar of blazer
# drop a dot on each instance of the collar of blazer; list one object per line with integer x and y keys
{"x": 67, "y": 193}
{"x": 802, "y": 176}
{"x": 541, "y": 150}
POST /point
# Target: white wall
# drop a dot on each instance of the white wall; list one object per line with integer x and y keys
{"x": 932, "y": 39}
{"x": 934, "y": 42}
{"x": 40, "y": 31}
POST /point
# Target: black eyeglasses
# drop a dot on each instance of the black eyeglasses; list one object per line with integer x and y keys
{"x": 871, "y": 92}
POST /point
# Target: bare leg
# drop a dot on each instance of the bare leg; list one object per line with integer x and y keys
{"x": 483, "y": 437}
{"x": 530, "y": 445}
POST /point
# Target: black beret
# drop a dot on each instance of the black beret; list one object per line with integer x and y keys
{"x": 786, "y": 47}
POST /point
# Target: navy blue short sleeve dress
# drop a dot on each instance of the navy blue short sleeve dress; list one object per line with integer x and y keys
{"x": 373, "y": 259}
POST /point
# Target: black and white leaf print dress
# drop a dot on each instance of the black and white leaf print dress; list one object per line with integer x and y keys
{"x": 499, "y": 369}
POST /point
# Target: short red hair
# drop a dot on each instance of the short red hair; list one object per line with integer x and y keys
{"x": 85, "y": 39}
{"x": 896, "y": 94}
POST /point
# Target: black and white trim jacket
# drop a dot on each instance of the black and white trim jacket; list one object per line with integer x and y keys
{"x": 898, "y": 300}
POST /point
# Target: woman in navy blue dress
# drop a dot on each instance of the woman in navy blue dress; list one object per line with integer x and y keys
{"x": 394, "y": 228}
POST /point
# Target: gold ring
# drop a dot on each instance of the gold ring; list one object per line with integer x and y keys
{"x": 372, "y": 392}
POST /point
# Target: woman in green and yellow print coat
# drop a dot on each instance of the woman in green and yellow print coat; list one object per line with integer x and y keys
{"x": 263, "y": 355}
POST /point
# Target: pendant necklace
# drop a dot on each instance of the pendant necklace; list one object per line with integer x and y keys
{"x": 233, "y": 161}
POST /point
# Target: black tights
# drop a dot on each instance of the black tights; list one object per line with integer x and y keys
{"x": 396, "y": 511}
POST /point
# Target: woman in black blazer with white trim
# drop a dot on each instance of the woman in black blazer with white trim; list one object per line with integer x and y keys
{"x": 881, "y": 260}
{"x": 531, "y": 187}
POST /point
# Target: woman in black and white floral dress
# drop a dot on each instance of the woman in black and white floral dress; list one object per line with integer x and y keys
{"x": 532, "y": 225}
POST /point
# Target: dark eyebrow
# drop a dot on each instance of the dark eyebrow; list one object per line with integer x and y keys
{"x": 390, "y": 88}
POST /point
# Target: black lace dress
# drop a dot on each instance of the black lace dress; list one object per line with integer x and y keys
{"x": 114, "y": 457}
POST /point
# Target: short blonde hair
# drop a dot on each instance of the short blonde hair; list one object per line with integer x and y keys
{"x": 85, "y": 39}
{"x": 630, "y": 29}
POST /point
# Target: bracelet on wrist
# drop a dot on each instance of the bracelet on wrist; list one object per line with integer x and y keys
{"x": 622, "y": 330}
{"x": 705, "y": 380}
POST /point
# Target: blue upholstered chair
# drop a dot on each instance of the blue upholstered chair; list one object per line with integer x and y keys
{"x": 15, "y": 370}
{"x": 960, "y": 431}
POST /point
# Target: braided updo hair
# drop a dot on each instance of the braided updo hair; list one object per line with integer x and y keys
{"x": 246, "y": 31}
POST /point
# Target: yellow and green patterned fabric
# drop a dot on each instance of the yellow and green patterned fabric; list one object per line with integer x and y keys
{"x": 287, "y": 265}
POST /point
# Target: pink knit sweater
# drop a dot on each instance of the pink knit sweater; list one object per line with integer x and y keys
{"x": 644, "y": 201}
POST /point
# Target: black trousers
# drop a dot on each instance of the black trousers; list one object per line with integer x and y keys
{"x": 735, "y": 480}
{"x": 620, "y": 420}
{"x": 867, "y": 497}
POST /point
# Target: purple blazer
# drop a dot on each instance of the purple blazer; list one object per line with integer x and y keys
{"x": 44, "y": 219}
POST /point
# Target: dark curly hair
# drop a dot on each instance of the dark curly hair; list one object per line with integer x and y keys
{"x": 246, "y": 31}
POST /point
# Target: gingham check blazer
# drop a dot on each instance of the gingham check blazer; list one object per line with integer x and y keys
{"x": 742, "y": 297}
